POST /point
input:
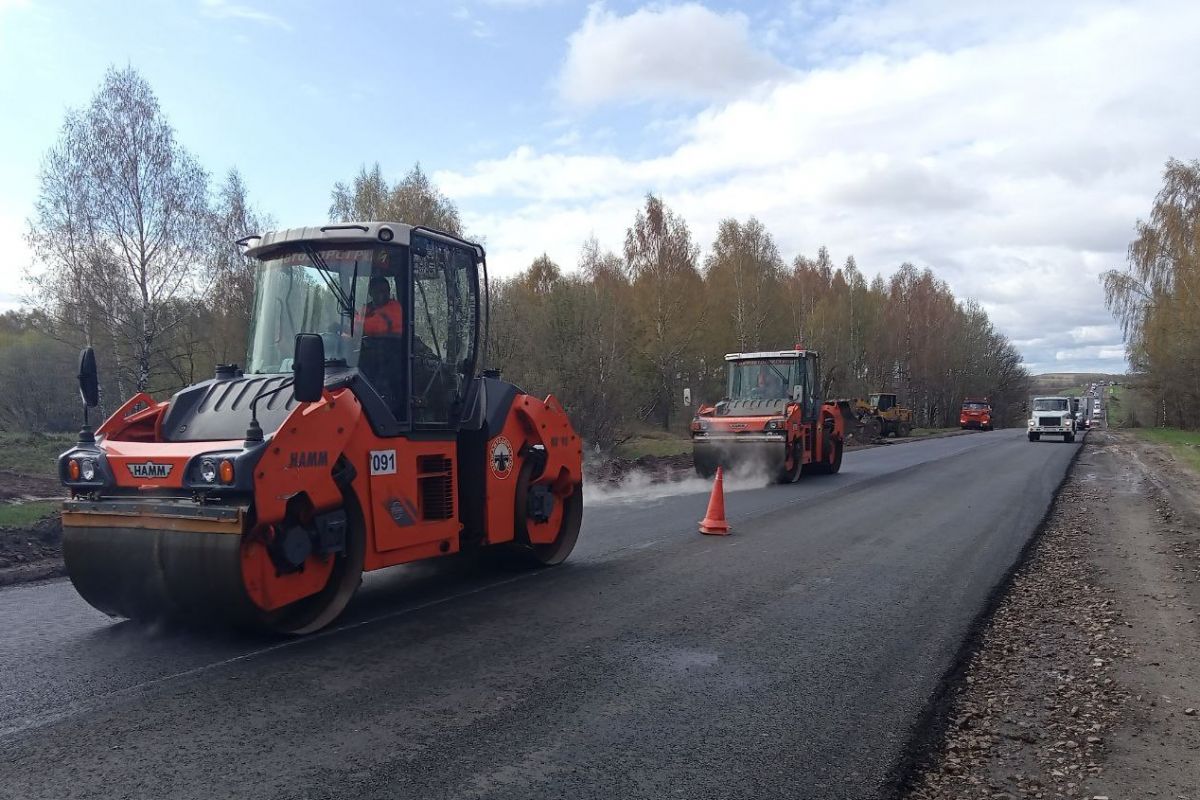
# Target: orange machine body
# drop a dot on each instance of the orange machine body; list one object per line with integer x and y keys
{"x": 408, "y": 489}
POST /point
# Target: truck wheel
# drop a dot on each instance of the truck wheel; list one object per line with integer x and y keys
{"x": 877, "y": 429}
{"x": 1068, "y": 437}
{"x": 1033, "y": 437}
{"x": 905, "y": 430}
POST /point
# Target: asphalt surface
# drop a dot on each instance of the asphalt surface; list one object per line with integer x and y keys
{"x": 792, "y": 659}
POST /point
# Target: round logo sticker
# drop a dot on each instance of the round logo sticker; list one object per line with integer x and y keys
{"x": 502, "y": 458}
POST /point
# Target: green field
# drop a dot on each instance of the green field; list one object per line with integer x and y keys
{"x": 22, "y": 515}
{"x": 654, "y": 443}
{"x": 33, "y": 453}
{"x": 1184, "y": 445}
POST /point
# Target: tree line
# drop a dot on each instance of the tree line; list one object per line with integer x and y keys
{"x": 134, "y": 244}
{"x": 622, "y": 336}
{"x": 1156, "y": 298}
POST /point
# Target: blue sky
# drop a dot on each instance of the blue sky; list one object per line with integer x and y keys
{"x": 1011, "y": 146}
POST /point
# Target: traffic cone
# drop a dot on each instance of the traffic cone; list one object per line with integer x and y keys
{"x": 714, "y": 521}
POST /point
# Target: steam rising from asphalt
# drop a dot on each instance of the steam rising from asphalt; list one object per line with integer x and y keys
{"x": 642, "y": 485}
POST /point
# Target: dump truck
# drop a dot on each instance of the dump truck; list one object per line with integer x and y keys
{"x": 771, "y": 417}
{"x": 976, "y": 413}
{"x": 363, "y": 433}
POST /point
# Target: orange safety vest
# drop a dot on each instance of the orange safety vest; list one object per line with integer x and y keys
{"x": 384, "y": 320}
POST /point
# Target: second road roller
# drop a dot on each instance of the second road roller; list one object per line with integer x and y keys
{"x": 363, "y": 432}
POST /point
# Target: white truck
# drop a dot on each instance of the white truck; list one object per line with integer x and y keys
{"x": 1052, "y": 416}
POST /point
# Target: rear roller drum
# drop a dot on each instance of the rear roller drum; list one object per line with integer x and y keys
{"x": 791, "y": 472}
{"x": 540, "y": 514}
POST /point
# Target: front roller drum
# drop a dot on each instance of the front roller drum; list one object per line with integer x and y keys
{"x": 153, "y": 574}
{"x": 768, "y": 458}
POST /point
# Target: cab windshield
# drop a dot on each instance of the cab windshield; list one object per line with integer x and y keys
{"x": 975, "y": 406}
{"x": 764, "y": 379}
{"x": 316, "y": 290}
{"x": 1050, "y": 404}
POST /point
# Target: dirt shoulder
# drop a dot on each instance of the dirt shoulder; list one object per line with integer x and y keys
{"x": 1085, "y": 683}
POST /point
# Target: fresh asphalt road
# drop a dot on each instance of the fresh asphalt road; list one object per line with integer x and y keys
{"x": 792, "y": 659}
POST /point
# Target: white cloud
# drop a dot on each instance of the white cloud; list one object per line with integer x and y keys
{"x": 223, "y": 9}
{"x": 1015, "y": 166}
{"x": 17, "y": 259}
{"x": 671, "y": 51}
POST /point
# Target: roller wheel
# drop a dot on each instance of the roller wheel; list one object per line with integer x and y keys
{"x": 569, "y": 521}
{"x": 834, "y": 465}
{"x": 792, "y": 474}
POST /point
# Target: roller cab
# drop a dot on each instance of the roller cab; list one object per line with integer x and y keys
{"x": 771, "y": 419}
{"x": 361, "y": 434}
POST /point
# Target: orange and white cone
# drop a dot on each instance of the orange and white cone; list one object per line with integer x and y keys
{"x": 714, "y": 522}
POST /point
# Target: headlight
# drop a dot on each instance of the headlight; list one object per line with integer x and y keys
{"x": 87, "y": 469}
{"x": 776, "y": 425}
{"x": 212, "y": 469}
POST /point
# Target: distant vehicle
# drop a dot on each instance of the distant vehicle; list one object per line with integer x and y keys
{"x": 976, "y": 413}
{"x": 1082, "y": 408}
{"x": 772, "y": 414}
{"x": 1052, "y": 416}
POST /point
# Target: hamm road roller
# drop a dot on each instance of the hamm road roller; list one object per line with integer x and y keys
{"x": 771, "y": 418}
{"x": 362, "y": 433}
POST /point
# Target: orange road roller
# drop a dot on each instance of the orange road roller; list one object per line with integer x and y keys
{"x": 363, "y": 433}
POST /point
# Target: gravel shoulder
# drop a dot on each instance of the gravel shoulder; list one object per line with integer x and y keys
{"x": 1084, "y": 683}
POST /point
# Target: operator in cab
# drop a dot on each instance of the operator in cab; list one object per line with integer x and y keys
{"x": 382, "y": 315}
{"x": 769, "y": 387}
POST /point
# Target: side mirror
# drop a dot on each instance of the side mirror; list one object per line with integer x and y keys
{"x": 89, "y": 380}
{"x": 798, "y": 392}
{"x": 308, "y": 368}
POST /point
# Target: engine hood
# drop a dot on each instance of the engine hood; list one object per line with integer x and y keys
{"x": 220, "y": 409}
{"x": 752, "y": 408}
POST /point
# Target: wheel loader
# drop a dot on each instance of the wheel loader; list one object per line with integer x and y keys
{"x": 881, "y": 416}
{"x": 363, "y": 433}
{"x": 771, "y": 418}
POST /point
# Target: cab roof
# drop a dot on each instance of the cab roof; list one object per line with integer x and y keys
{"x": 346, "y": 234}
{"x": 769, "y": 354}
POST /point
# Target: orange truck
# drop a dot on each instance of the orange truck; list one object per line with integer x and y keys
{"x": 976, "y": 413}
{"x": 261, "y": 496}
{"x": 771, "y": 418}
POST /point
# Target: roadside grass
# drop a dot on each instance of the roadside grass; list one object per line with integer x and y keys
{"x": 33, "y": 453}
{"x": 23, "y": 515}
{"x": 1184, "y": 445}
{"x": 931, "y": 431}
{"x": 654, "y": 443}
